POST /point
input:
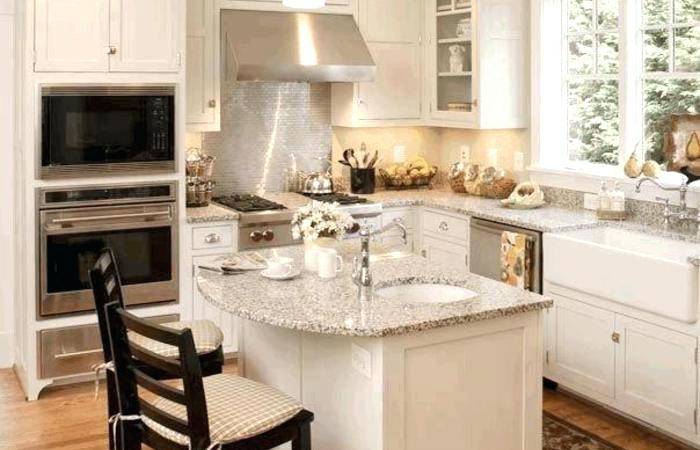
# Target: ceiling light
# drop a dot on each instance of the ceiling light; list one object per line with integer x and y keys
{"x": 304, "y": 4}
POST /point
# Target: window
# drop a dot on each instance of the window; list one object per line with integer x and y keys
{"x": 671, "y": 49}
{"x": 613, "y": 71}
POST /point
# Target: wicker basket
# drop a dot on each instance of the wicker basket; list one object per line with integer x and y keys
{"x": 406, "y": 181}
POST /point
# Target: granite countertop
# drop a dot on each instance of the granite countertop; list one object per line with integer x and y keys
{"x": 310, "y": 304}
{"x": 548, "y": 218}
{"x": 211, "y": 213}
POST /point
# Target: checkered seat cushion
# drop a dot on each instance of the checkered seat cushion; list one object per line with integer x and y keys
{"x": 207, "y": 338}
{"x": 238, "y": 409}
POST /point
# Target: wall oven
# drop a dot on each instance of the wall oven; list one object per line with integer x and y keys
{"x": 139, "y": 222}
{"x": 100, "y": 130}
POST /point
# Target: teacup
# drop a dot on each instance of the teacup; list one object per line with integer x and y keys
{"x": 279, "y": 266}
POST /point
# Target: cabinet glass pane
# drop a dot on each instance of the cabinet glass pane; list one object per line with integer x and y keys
{"x": 453, "y": 62}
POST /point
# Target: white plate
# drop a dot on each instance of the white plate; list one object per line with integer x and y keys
{"x": 506, "y": 204}
{"x": 293, "y": 274}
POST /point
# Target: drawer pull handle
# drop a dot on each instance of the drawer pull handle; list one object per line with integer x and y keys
{"x": 111, "y": 50}
{"x": 76, "y": 354}
{"x": 212, "y": 238}
{"x": 443, "y": 226}
{"x": 616, "y": 338}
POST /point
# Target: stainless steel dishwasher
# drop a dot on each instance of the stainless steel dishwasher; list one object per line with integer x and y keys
{"x": 485, "y": 251}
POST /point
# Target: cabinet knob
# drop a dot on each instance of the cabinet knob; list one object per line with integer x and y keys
{"x": 212, "y": 103}
{"x": 212, "y": 238}
{"x": 424, "y": 253}
{"x": 256, "y": 236}
{"x": 444, "y": 226}
{"x": 268, "y": 235}
{"x": 111, "y": 50}
{"x": 616, "y": 338}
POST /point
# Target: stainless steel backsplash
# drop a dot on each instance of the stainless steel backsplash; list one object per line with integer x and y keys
{"x": 262, "y": 124}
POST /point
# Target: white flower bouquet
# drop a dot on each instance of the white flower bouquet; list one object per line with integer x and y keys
{"x": 320, "y": 220}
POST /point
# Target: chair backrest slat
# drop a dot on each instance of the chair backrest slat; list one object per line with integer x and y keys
{"x": 165, "y": 419}
{"x": 171, "y": 366}
{"x": 106, "y": 288}
{"x": 156, "y": 387}
{"x": 129, "y": 376}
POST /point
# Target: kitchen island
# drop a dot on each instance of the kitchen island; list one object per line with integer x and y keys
{"x": 394, "y": 373}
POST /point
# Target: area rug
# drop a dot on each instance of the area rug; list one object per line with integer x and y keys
{"x": 559, "y": 435}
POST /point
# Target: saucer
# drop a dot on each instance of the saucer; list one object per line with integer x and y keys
{"x": 287, "y": 276}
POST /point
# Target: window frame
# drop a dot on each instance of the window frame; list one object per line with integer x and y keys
{"x": 549, "y": 92}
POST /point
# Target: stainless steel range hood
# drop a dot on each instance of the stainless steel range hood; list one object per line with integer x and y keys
{"x": 280, "y": 46}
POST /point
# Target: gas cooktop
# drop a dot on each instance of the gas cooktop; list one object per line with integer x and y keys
{"x": 249, "y": 203}
{"x": 343, "y": 199}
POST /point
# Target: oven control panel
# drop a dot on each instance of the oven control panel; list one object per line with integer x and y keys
{"x": 265, "y": 235}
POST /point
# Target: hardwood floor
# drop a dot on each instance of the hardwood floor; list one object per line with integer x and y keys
{"x": 69, "y": 418}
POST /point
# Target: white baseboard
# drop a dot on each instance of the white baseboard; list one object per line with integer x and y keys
{"x": 7, "y": 349}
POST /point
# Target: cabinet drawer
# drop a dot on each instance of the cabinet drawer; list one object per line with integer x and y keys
{"x": 72, "y": 350}
{"x": 406, "y": 216}
{"x": 212, "y": 237}
{"x": 446, "y": 226}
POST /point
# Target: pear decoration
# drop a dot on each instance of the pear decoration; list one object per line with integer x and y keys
{"x": 651, "y": 169}
{"x": 632, "y": 168}
{"x": 692, "y": 150}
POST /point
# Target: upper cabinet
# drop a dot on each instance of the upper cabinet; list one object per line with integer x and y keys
{"x": 107, "y": 35}
{"x": 392, "y": 29}
{"x": 476, "y": 63}
{"x": 203, "y": 66}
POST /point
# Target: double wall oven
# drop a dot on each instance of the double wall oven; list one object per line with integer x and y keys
{"x": 139, "y": 222}
{"x": 102, "y": 130}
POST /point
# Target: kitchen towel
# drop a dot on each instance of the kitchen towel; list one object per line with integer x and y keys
{"x": 516, "y": 260}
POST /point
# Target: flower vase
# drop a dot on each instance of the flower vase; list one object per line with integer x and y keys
{"x": 311, "y": 248}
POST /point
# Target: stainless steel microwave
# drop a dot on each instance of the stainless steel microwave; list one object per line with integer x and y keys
{"x": 89, "y": 131}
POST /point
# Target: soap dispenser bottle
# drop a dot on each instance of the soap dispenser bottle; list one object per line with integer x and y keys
{"x": 604, "y": 201}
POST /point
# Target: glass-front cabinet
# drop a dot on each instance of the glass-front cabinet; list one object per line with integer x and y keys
{"x": 476, "y": 67}
{"x": 452, "y": 56}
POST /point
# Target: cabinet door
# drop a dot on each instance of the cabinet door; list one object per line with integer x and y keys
{"x": 445, "y": 253}
{"x": 71, "y": 35}
{"x": 202, "y": 66}
{"x": 202, "y": 309}
{"x": 395, "y": 92}
{"x": 581, "y": 350}
{"x": 656, "y": 374}
{"x": 145, "y": 35}
{"x": 394, "y": 42}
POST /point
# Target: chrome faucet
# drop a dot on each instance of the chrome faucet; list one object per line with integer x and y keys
{"x": 683, "y": 215}
{"x": 361, "y": 274}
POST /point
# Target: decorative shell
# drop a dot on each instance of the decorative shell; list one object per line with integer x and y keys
{"x": 632, "y": 167}
{"x": 692, "y": 150}
{"x": 526, "y": 194}
{"x": 651, "y": 169}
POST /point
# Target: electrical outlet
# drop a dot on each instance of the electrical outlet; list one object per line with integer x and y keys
{"x": 518, "y": 161}
{"x": 465, "y": 153}
{"x": 362, "y": 360}
{"x": 590, "y": 201}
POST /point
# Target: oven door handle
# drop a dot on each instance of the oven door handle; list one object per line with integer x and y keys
{"x": 69, "y": 220}
{"x": 77, "y": 354}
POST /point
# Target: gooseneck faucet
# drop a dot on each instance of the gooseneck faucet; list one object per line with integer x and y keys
{"x": 683, "y": 215}
{"x": 361, "y": 274}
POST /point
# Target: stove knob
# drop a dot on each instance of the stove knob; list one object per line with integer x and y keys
{"x": 268, "y": 235}
{"x": 256, "y": 236}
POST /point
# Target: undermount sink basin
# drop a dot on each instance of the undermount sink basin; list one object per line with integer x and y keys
{"x": 426, "y": 293}
{"x": 639, "y": 270}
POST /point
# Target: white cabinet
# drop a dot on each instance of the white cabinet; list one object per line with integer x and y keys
{"x": 489, "y": 89}
{"x": 394, "y": 40}
{"x": 444, "y": 253}
{"x": 640, "y": 368}
{"x": 580, "y": 349}
{"x": 107, "y": 35}
{"x": 656, "y": 375}
{"x": 72, "y": 35}
{"x": 203, "y": 66}
{"x": 145, "y": 35}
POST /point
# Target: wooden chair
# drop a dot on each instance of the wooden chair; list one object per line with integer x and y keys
{"x": 107, "y": 288}
{"x": 221, "y": 411}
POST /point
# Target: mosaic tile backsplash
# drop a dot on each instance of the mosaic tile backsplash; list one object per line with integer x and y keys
{"x": 262, "y": 125}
